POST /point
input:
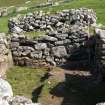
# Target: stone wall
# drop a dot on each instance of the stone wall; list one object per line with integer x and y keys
{"x": 5, "y": 55}
{"x": 41, "y": 21}
{"x": 53, "y": 48}
{"x": 66, "y": 37}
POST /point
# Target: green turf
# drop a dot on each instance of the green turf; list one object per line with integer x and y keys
{"x": 20, "y": 2}
{"x": 34, "y": 34}
{"x": 24, "y": 80}
{"x": 16, "y": 2}
{"x": 4, "y": 24}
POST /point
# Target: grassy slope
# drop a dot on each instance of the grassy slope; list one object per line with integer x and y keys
{"x": 16, "y": 2}
{"x": 20, "y": 2}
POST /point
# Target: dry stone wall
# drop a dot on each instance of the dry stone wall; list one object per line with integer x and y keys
{"x": 52, "y": 22}
{"x": 53, "y": 48}
{"x": 65, "y": 38}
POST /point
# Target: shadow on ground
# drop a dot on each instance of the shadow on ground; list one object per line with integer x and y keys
{"x": 36, "y": 93}
{"x": 79, "y": 91}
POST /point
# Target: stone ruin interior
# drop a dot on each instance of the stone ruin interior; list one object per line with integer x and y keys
{"x": 72, "y": 41}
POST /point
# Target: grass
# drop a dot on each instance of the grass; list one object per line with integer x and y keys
{"x": 35, "y": 34}
{"x": 4, "y": 24}
{"x": 26, "y": 80}
{"x": 20, "y": 2}
{"x": 15, "y": 2}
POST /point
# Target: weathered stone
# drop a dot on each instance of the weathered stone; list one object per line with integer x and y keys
{"x": 59, "y": 51}
{"x": 20, "y": 100}
{"x": 3, "y": 102}
{"x": 101, "y": 103}
{"x": 16, "y": 30}
{"x": 40, "y": 46}
{"x": 50, "y": 60}
{"x": 16, "y": 53}
{"x": 3, "y": 49}
{"x": 59, "y": 42}
{"x": 5, "y": 89}
{"x": 27, "y": 48}
{"x": 41, "y": 21}
{"x": 36, "y": 55}
{"x": 46, "y": 52}
{"x": 14, "y": 44}
{"x": 19, "y": 9}
{"x": 49, "y": 38}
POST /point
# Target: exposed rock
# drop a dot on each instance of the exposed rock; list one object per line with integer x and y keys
{"x": 36, "y": 55}
{"x": 101, "y": 103}
{"x": 40, "y": 46}
{"x": 49, "y": 38}
{"x": 50, "y": 60}
{"x": 17, "y": 100}
{"x": 16, "y": 29}
{"x": 65, "y": 35}
{"x": 3, "y": 12}
{"x": 54, "y": 48}
{"x": 3, "y": 102}
{"x": 59, "y": 51}
{"x": 62, "y": 20}
{"x": 19, "y": 9}
{"x": 5, "y": 89}
{"x": 5, "y": 54}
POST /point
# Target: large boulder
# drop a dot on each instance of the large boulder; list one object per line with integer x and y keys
{"x": 3, "y": 102}
{"x": 5, "y": 89}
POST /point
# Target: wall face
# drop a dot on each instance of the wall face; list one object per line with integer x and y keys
{"x": 54, "y": 48}
{"x": 5, "y": 55}
{"x": 41, "y": 21}
{"x": 65, "y": 38}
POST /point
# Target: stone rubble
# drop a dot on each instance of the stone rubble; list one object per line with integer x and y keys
{"x": 40, "y": 21}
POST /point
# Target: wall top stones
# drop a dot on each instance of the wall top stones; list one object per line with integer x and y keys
{"x": 59, "y": 21}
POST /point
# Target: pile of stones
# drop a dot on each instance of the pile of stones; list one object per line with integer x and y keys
{"x": 53, "y": 48}
{"x": 40, "y": 21}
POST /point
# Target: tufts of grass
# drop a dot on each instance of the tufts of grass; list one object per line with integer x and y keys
{"x": 24, "y": 80}
{"x": 34, "y": 34}
{"x": 4, "y": 24}
{"x": 27, "y": 82}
